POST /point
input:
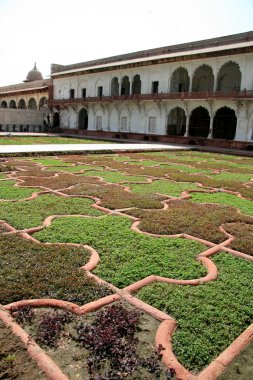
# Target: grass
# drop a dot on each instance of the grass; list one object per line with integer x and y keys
{"x": 163, "y": 187}
{"x": 8, "y": 191}
{"x": 114, "y": 176}
{"x": 127, "y": 256}
{"x": 27, "y": 214}
{"x": 244, "y": 205}
{"x": 33, "y": 270}
{"x": 213, "y": 182}
{"x": 238, "y": 177}
{"x": 209, "y": 316}
{"x": 27, "y": 140}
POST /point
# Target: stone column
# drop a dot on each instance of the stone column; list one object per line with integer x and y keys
{"x": 187, "y": 126}
{"x": 190, "y": 84}
{"x": 210, "y": 134}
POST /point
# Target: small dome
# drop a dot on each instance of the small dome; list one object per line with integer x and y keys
{"x": 34, "y": 74}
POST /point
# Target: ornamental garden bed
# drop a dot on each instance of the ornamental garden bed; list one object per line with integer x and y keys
{"x": 115, "y": 342}
{"x": 15, "y": 362}
{"x": 181, "y": 219}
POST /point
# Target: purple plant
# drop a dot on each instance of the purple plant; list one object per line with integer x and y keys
{"x": 111, "y": 342}
{"x": 51, "y": 326}
{"x": 23, "y": 314}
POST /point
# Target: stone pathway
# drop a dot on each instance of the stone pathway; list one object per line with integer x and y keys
{"x": 116, "y": 146}
{"x": 84, "y": 148}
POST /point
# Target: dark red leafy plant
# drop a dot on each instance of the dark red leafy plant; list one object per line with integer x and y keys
{"x": 112, "y": 346}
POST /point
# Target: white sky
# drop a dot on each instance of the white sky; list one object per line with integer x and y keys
{"x": 65, "y": 32}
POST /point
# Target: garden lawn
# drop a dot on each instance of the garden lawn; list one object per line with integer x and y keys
{"x": 244, "y": 205}
{"x": 27, "y": 140}
{"x": 32, "y": 270}
{"x": 8, "y": 191}
{"x": 114, "y": 176}
{"x": 209, "y": 316}
{"x": 27, "y": 214}
{"x": 127, "y": 256}
{"x": 173, "y": 189}
{"x": 228, "y": 176}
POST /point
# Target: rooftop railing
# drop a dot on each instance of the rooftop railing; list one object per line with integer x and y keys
{"x": 201, "y": 95}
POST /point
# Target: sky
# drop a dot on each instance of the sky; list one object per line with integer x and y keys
{"x": 66, "y": 32}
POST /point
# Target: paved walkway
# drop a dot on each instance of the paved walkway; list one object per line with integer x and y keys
{"x": 116, "y": 146}
{"x": 83, "y": 148}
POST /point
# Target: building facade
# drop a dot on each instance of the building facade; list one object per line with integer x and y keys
{"x": 24, "y": 106}
{"x": 194, "y": 93}
{"x": 200, "y": 92}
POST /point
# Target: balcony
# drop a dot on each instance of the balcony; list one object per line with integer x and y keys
{"x": 203, "y": 95}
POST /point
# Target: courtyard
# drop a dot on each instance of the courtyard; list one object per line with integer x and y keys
{"x": 160, "y": 241}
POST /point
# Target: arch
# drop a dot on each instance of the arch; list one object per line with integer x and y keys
{"x": 114, "y": 120}
{"x": 56, "y": 119}
{"x": 176, "y": 123}
{"x": 21, "y": 104}
{"x": 32, "y": 104}
{"x": 12, "y": 104}
{"x": 83, "y": 119}
{"x": 42, "y": 102}
{"x": 125, "y": 86}
{"x": 229, "y": 77}
{"x": 136, "y": 85}
{"x": 224, "y": 124}
{"x": 4, "y": 104}
{"x": 180, "y": 80}
{"x": 115, "y": 86}
{"x": 199, "y": 122}
{"x": 203, "y": 79}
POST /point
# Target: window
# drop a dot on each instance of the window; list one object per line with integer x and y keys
{"x": 72, "y": 93}
{"x": 123, "y": 123}
{"x": 84, "y": 93}
{"x": 99, "y": 123}
{"x": 152, "y": 124}
{"x": 100, "y": 90}
{"x": 155, "y": 86}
